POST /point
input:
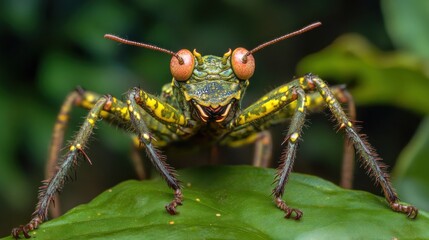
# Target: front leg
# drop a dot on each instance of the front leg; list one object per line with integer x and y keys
{"x": 289, "y": 154}
{"x": 140, "y": 103}
{"x": 288, "y": 96}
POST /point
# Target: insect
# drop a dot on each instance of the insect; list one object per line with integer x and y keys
{"x": 203, "y": 101}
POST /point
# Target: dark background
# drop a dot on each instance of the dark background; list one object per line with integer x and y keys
{"x": 49, "y": 47}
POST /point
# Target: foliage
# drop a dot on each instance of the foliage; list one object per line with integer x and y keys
{"x": 234, "y": 203}
{"x": 377, "y": 77}
{"x": 49, "y": 47}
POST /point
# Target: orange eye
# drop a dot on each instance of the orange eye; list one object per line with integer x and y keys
{"x": 243, "y": 70}
{"x": 182, "y": 72}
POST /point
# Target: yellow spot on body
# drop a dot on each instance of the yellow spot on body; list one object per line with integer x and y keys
{"x": 78, "y": 146}
{"x": 197, "y": 199}
{"x": 63, "y": 117}
{"x": 307, "y": 101}
{"x": 158, "y": 109}
{"x": 137, "y": 115}
{"x": 301, "y": 80}
{"x": 323, "y": 92}
{"x": 93, "y": 115}
{"x": 218, "y": 215}
{"x": 128, "y": 102}
{"x": 271, "y": 105}
{"x": 146, "y": 136}
{"x": 87, "y": 104}
{"x": 319, "y": 101}
{"x": 171, "y": 222}
{"x": 349, "y": 124}
{"x": 90, "y": 98}
{"x": 322, "y": 85}
{"x": 130, "y": 108}
{"x": 104, "y": 114}
{"x": 268, "y": 106}
{"x": 72, "y": 148}
{"x": 328, "y": 99}
{"x": 301, "y": 109}
{"x": 283, "y": 98}
{"x": 115, "y": 100}
{"x": 294, "y": 136}
{"x": 91, "y": 121}
{"x": 243, "y": 141}
{"x": 283, "y": 89}
{"x": 293, "y": 105}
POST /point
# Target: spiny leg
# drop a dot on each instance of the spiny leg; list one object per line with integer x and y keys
{"x": 368, "y": 155}
{"x": 273, "y": 108}
{"x": 57, "y": 143}
{"x": 288, "y": 156}
{"x": 55, "y": 184}
{"x": 315, "y": 102}
{"x": 77, "y": 98}
{"x": 347, "y": 168}
{"x": 155, "y": 156}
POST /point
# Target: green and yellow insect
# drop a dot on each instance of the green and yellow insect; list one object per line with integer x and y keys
{"x": 203, "y": 103}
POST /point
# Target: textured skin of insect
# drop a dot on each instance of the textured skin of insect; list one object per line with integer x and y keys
{"x": 203, "y": 103}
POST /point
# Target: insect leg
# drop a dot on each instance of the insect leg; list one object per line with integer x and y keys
{"x": 155, "y": 156}
{"x": 57, "y": 143}
{"x": 268, "y": 110}
{"x": 77, "y": 98}
{"x": 315, "y": 102}
{"x": 289, "y": 154}
{"x": 263, "y": 149}
{"x": 367, "y": 154}
{"x": 55, "y": 184}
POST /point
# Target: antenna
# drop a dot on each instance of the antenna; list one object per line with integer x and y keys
{"x": 144, "y": 45}
{"x": 289, "y": 35}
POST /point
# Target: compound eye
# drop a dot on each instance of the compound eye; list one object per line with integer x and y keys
{"x": 182, "y": 71}
{"x": 242, "y": 66}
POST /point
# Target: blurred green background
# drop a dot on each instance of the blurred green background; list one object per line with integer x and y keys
{"x": 50, "y": 47}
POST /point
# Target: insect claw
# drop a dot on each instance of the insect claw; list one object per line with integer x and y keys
{"x": 177, "y": 201}
{"x": 289, "y": 211}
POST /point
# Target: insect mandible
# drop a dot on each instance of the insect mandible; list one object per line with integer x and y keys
{"x": 204, "y": 100}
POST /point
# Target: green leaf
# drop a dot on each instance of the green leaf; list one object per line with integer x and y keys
{"x": 233, "y": 203}
{"x": 406, "y": 22}
{"x": 394, "y": 78}
{"x": 410, "y": 172}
